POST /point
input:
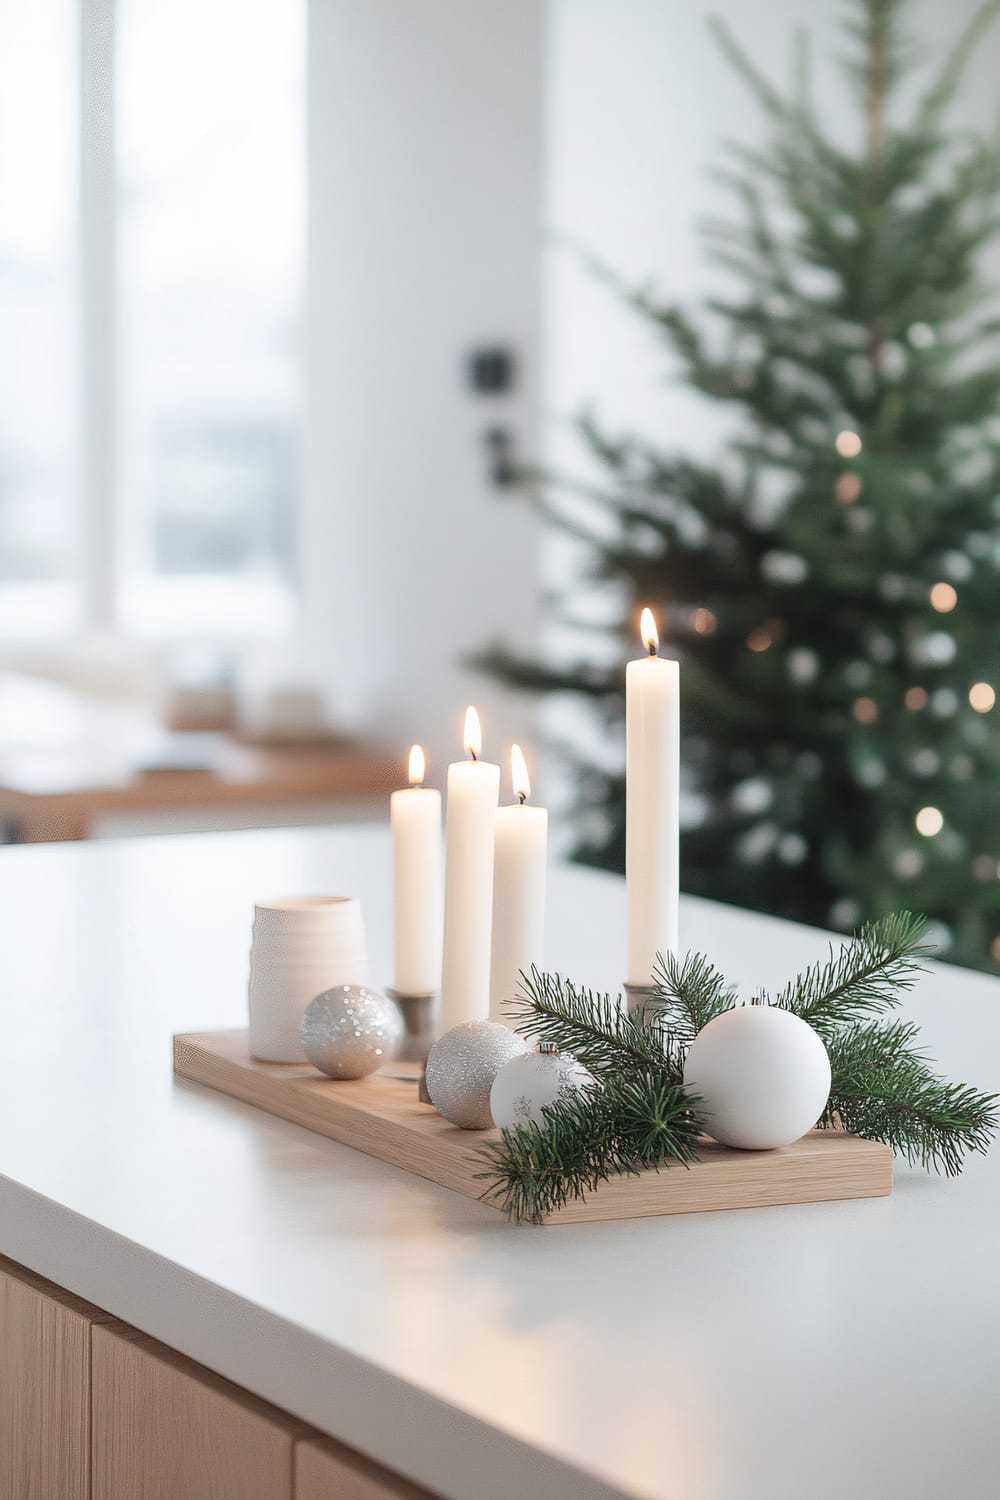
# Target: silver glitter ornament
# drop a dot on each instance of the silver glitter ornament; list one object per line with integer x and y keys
{"x": 523, "y": 1086}
{"x": 349, "y": 1031}
{"x": 461, "y": 1068}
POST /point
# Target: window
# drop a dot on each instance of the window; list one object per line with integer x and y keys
{"x": 39, "y": 452}
{"x": 176, "y": 512}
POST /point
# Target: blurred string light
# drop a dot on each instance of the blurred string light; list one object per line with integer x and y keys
{"x": 982, "y": 697}
{"x": 921, "y": 335}
{"x": 760, "y": 639}
{"x": 847, "y": 443}
{"x": 929, "y": 821}
{"x": 944, "y": 702}
{"x": 995, "y": 949}
{"x": 847, "y": 489}
{"x": 915, "y": 698}
{"x": 908, "y": 864}
{"x": 943, "y": 598}
{"x": 865, "y": 710}
{"x": 704, "y": 622}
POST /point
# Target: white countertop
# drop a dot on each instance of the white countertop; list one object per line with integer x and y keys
{"x": 801, "y": 1353}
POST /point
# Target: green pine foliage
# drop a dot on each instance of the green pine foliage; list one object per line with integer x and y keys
{"x": 830, "y": 584}
{"x": 640, "y": 1115}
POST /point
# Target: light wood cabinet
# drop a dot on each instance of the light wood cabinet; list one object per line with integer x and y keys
{"x": 91, "y": 1409}
{"x": 164, "y": 1428}
{"x": 325, "y": 1470}
{"x": 45, "y": 1336}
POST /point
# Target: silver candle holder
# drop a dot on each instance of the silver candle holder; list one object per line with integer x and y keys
{"x": 642, "y": 1003}
{"x": 419, "y": 1019}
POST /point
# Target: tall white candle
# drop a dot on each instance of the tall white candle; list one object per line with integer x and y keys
{"x": 473, "y": 791}
{"x": 652, "y": 805}
{"x": 415, "y": 815}
{"x": 520, "y": 853}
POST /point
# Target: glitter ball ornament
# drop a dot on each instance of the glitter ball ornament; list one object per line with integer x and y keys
{"x": 526, "y": 1084}
{"x": 461, "y": 1068}
{"x": 350, "y": 1031}
{"x": 762, "y": 1074}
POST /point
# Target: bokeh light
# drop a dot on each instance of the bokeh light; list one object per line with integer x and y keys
{"x": 847, "y": 489}
{"x": 943, "y": 598}
{"x": 982, "y": 697}
{"x": 848, "y": 444}
{"x": 929, "y": 822}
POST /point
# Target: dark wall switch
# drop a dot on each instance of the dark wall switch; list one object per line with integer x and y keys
{"x": 491, "y": 370}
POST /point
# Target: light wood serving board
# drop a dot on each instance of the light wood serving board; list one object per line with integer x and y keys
{"x": 383, "y": 1116}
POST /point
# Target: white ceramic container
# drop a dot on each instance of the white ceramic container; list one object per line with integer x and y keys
{"x": 301, "y": 945}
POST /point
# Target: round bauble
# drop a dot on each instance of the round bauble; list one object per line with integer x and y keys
{"x": 349, "y": 1031}
{"x": 762, "y": 1074}
{"x": 461, "y": 1067}
{"x": 526, "y": 1084}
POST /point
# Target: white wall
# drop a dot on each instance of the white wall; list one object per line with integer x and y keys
{"x": 425, "y": 179}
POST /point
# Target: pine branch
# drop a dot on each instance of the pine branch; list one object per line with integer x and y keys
{"x": 596, "y": 1029}
{"x": 884, "y": 1089}
{"x": 639, "y": 1114}
{"x": 955, "y": 63}
{"x": 767, "y": 97}
{"x": 689, "y": 994}
{"x": 634, "y": 1122}
{"x": 864, "y": 977}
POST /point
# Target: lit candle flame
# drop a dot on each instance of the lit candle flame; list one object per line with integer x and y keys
{"x": 473, "y": 734}
{"x": 519, "y": 774}
{"x": 648, "y": 631}
{"x": 418, "y": 766}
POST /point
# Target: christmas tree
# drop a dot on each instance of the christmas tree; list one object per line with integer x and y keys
{"x": 831, "y": 583}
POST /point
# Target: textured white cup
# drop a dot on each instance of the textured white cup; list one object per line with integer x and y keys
{"x": 301, "y": 945}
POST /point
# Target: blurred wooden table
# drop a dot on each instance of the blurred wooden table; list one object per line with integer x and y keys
{"x": 67, "y": 761}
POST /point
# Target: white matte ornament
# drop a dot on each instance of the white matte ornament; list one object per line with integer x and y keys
{"x": 526, "y": 1084}
{"x": 762, "y": 1074}
{"x": 461, "y": 1067}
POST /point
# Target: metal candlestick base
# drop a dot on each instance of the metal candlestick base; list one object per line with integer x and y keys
{"x": 641, "y": 1000}
{"x": 419, "y": 1017}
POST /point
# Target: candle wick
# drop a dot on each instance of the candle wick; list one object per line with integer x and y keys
{"x": 652, "y": 649}
{"x": 522, "y": 797}
{"x": 473, "y": 753}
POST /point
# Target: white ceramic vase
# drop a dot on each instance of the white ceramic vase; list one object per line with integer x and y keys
{"x": 301, "y": 945}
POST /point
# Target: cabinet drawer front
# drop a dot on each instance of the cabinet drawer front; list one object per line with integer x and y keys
{"x": 324, "y": 1470}
{"x": 165, "y": 1428}
{"x": 44, "y": 1389}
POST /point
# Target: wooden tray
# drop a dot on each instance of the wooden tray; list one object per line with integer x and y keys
{"x": 383, "y": 1116}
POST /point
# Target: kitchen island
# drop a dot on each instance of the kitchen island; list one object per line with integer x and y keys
{"x": 795, "y": 1353}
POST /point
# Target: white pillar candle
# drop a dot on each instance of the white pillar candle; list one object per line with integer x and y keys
{"x": 520, "y": 854}
{"x": 415, "y": 815}
{"x": 652, "y": 805}
{"x": 473, "y": 792}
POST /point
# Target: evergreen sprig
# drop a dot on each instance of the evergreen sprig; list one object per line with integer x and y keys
{"x": 594, "y": 1028}
{"x": 867, "y": 976}
{"x": 639, "y": 1115}
{"x": 630, "y": 1122}
{"x": 883, "y": 1088}
{"x": 689, "y": 992}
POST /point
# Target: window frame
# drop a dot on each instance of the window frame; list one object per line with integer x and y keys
{"x": 98, "y": 600}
